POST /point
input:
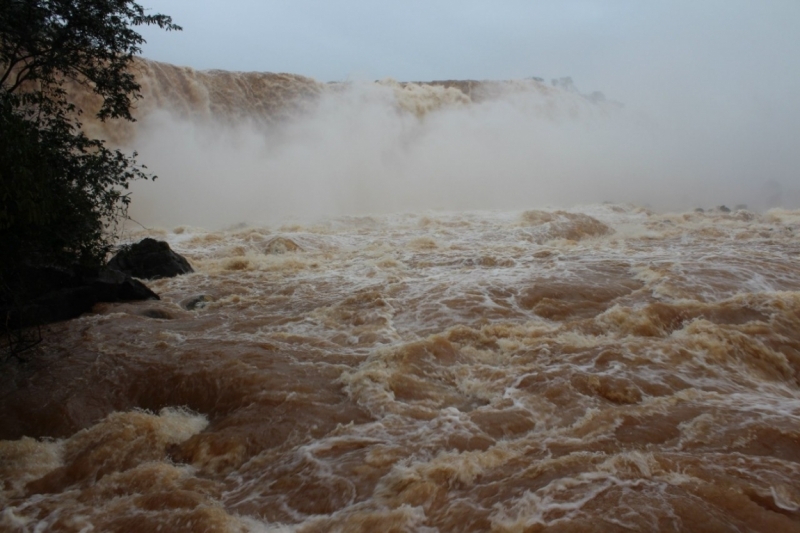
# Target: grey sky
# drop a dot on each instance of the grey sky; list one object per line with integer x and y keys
{"x": 718, "y": 52}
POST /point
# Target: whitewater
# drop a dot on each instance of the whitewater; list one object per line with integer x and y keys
{"x": 454, "y": 306}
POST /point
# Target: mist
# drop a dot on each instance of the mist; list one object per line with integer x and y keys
{"x": 360, "y": 150}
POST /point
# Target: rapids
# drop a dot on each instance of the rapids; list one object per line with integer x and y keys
{"x": 602, "y": 368}
{"x": 466, "y": 363}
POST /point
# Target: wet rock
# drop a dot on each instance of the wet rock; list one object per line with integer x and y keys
{"x": 723, "y": 209}
{"x": 281, "y": 245}
{"x": 196, "y": 302}
{"x": 56, "y": 294}
{"x": 150, "y": 259}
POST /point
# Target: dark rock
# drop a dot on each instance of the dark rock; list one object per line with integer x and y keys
{"x": 724, "y": 209}
{"x": 699, "y": 210}
{"x": 150, "y": 259}
{"x": 196, "y": 302}
{"x": 112, "y": 286}
{"x": 53, "y": 294}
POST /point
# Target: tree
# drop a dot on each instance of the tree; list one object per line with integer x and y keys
{"x": 63, "y": 194}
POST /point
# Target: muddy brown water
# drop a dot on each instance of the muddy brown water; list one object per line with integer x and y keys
{"x": 597, "y": 369}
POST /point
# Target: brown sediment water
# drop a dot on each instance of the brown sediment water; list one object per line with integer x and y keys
{"x": 594, "y": 368}
{"x": 267, "y": 98}
{"x": 601, "y": 368}
{"x": 264, "y": 97}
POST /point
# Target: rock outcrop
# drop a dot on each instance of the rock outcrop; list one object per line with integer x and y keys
{"x": 55, "y": 294}
{"x": 196, "y": 302}
{"x": 150, "y": 259}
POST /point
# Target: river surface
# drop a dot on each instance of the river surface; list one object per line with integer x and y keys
{"x": 600, "y": 368}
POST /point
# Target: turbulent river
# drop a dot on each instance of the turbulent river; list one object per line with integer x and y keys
{"x": 463, "y": 360}
{"x": 598, "y": 368}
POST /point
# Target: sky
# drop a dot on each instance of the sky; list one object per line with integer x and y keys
{"x": 653, "y": 52}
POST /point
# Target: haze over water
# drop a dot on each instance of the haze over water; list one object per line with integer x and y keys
{"x": 453, "y": 306}
{"x": 243, "y": 147}
{"x": 709, "y": 90}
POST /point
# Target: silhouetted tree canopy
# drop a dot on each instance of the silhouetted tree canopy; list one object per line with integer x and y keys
{"x": 62, "y": 194}
{"x": 89, "y": 41}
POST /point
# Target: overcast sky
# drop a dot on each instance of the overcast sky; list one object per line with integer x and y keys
{"x": 636, "y": 51}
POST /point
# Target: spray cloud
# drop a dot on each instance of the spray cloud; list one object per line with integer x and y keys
{"x": 364, "y": 147}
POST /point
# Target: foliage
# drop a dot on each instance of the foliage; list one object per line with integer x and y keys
{"x": 89, "y": 41}
{"x": 62, "y": 193}
{"x": 60, "y": 190}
